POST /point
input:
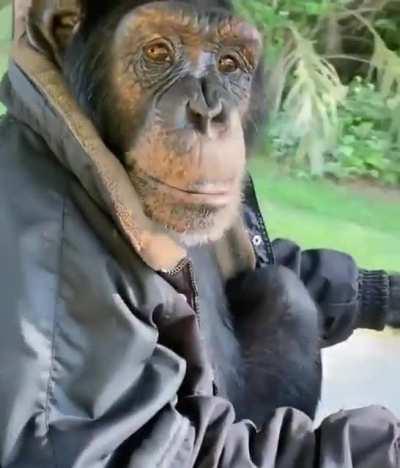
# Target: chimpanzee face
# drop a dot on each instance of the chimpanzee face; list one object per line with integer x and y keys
{"x": 170, "y": 99}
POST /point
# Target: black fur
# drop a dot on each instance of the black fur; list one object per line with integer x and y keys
{"x": 262, "y": 334}
{"x": 277, "y": 325}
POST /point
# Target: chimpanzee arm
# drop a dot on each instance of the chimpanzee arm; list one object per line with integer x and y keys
{"x": 348, "y": 297}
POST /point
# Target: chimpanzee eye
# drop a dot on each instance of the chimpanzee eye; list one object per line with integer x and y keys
{"x": 228, "y": 64}
{"x": 158, "y": 52}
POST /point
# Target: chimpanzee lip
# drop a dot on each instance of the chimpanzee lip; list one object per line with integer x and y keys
{"x": 211, "y": 193}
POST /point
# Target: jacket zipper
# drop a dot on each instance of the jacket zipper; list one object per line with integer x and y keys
{"x": 252, "y": 201}
{"x": 181, "y": 266}
{"x": 186, "y": 263}
{"x": 195, "y": 290}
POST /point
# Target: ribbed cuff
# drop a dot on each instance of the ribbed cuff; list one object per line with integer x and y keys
{"x": 374, "y": 295}
{"x": 394, "y": 302}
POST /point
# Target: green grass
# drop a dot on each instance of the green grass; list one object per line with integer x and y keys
{"x": 322, "y": 214}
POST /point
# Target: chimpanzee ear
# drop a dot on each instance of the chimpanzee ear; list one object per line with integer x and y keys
{"x": 51, "y": 25}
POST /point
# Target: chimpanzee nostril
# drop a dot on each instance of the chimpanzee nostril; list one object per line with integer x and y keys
{"x": 220, "y": 115}
{"x": 217, "y": 113}
{"x": 195, "y": 115}
{"x": 202, "y": 116}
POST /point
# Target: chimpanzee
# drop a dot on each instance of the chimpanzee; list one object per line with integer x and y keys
{"x": 149, "y": 293}
{"x": 170, "y": 90}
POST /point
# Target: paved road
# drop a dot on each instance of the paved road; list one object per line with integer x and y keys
{"x": 365, "y": 370}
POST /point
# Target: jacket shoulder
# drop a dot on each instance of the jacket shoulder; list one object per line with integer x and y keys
{"x": 32, "y": 182}
{"x": 24, "y": 153}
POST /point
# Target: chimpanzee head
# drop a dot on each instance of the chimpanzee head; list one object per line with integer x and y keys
{"x": 170, "y": 85}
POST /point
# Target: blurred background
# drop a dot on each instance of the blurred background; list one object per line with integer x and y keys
{"x": 327, "y": 167}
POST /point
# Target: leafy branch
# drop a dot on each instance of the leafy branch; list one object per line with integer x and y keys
{"x": 306, "y": 90}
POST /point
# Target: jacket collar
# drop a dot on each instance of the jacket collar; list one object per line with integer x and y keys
{"x": 38, "y": 96}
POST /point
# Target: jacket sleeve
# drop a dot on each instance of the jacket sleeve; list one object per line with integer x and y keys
{"x": 394, "y": 302}
{"x": 348, "y": 297}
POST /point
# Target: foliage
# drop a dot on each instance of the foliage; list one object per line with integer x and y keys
{"x": 311, "y": 104}
{"x": 366, "y": 146}
{"x": 312, "y": 120}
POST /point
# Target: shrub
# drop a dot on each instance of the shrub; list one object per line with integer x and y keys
{"x": 319, "y": 125}
{"x": 367, "y": 146}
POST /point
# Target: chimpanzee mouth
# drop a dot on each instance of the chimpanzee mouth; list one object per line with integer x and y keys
{"x": 217, "y": 194}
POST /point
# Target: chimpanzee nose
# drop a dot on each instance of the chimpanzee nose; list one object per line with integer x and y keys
{"x": 206, "y": 117}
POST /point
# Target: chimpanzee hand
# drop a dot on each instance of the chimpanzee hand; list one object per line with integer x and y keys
{"x": 394, "y": 302}
{"x": 276, "y": 323}
{"x": 270, "y": 291}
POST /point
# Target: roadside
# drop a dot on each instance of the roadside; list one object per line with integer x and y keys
{"x": 362, "y": 371}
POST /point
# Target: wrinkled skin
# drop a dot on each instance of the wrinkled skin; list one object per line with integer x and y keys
{"x": 187, "y": 158}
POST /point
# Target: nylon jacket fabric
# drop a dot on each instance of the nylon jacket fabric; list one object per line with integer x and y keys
{"x": 348, "y": 298}
{"x": 102, "y": 362}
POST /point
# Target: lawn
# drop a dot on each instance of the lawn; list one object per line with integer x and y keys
{"x": 315, "y": 214}
{"x": 322, "y": 214}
